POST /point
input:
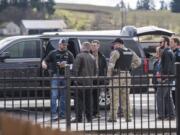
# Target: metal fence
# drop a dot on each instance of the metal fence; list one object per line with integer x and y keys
{"x": 28, "y": 98}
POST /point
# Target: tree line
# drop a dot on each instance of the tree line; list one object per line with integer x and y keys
{"x": 149, "y": 5}
{"x": 37, "y": 4}
{"x": 175, "y": 6}
{"x": 16, "y": 10}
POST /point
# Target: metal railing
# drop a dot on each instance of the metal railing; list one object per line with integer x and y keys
{"x": 29, "y": 98}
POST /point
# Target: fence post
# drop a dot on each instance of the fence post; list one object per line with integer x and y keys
{"x": 68, "y": 98}
{"x": 178, "y": 97}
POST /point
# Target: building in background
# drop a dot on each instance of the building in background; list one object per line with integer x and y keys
{"x": 9, "y": 29}
{"x": 30, "y": 27}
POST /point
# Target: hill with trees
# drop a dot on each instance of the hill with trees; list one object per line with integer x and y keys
{"x": 16, "y": 10}
{"x": 101, "y": 17}
{"x": 89, "y": 17}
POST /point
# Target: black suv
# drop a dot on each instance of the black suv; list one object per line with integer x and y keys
{"x": 22, "y": 55}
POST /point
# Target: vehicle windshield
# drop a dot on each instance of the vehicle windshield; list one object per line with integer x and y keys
{"x": 6, "y": 41}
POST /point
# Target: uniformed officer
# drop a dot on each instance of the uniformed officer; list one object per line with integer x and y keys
{"x": 121, "y": 61}
{"x": 57, "y": 60}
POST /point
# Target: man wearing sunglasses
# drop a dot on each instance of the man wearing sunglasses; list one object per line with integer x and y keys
{"x": 164, "y": 100}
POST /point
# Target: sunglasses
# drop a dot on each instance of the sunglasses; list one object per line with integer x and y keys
{"x": 161, "y": 42}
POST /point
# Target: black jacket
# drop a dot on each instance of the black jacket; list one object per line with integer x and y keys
{"x": 102, "y": 64}
{"x": 167, "y": 62}
{"x": 102, "y": 71}
{"x": 58, "y": 56}
{"x": 84, "y": 65}
{"x": 177, "y": 54}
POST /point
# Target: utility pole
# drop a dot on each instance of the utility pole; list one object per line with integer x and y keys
{"x": 123, "y": 13}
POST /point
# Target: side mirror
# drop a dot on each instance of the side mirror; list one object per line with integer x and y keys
{"x": 4, "y": 55}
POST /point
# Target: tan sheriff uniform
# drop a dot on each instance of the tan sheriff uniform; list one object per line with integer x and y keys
{"x": 121, "y": 92}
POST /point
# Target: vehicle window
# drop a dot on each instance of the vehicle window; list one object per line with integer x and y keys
{"x": 5, "y": 41}
{"x": 25, "y": 49}
{"x": 134, "y": 46}
{"x": 106, "y": 46}
{"x": 51, "y": 45}
{"x": 71, "y": 47}
{"x": 54, "y": 43}
{"x": 149, "y": 48}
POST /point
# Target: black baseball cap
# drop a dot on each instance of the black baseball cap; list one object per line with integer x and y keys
{"x": 63, "y": 41}
{"x": 118, "y": 40}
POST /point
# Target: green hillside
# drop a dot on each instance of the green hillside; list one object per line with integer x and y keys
{"x": 75, "y": 20}
{"x": 85, "y": 7}
{"x": 96, "y": 17}
{"x": 164, "y": 19}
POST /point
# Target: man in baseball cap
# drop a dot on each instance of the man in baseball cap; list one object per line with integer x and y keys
{"x": 58, "y": 59}
{"x": 63, "y": 41}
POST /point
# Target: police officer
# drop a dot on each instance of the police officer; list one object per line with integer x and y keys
{"x": 58, "y": 59}
{"x": 121, "y": 61}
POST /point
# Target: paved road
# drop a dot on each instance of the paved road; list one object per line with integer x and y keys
{"x": 143, "y": 105}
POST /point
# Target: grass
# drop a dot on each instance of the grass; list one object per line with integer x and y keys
{"x": 164, "y": 19}
{"x": 75, "y": 20}
{"x": 112, "y": 18}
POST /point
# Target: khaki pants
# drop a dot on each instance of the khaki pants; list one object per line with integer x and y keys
{"x": 123, "y": 93}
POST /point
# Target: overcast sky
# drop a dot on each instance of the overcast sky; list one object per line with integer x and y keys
{"x": 132, "y": 3}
